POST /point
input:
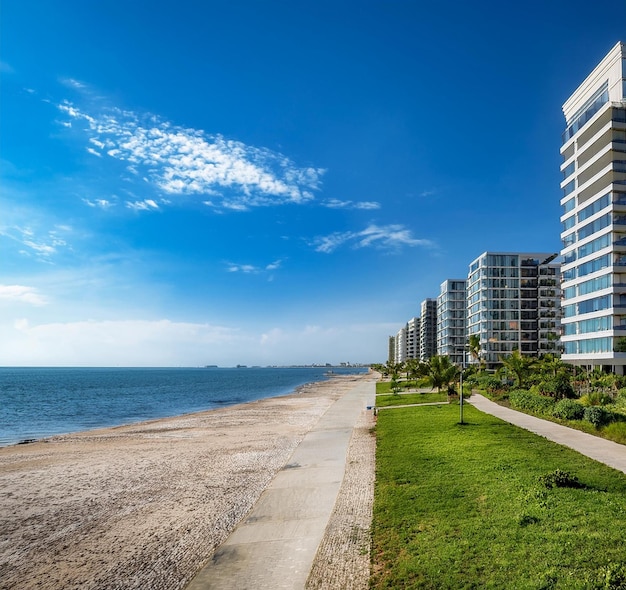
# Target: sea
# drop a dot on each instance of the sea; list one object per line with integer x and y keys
{"x": 38, "y": 403}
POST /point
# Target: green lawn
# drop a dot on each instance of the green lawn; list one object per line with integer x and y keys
{"x": 463, "y": 507}
{"x": 410, "y": 398}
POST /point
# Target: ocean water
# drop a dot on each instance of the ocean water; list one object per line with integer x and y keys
{"x": 40, "y": 402}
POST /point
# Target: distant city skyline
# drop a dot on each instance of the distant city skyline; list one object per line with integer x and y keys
{"x": 269, "y": 183}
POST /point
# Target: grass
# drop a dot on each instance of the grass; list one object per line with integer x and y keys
{"x": 385, "y": 400}
{"x": 463, "y": 506}
{"x": 385, "y": 386}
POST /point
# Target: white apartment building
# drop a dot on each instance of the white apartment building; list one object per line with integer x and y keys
{"x": 391, "y": 352}
{"x": 513, "y": 303}
{"x": 451, "y": 320}
{"x": 594, "y": 218}
{"x": 413, "y": 338}
{"x": 401, "y": 345}
{"x": 428, "y": 329}
{"x": 406, "y": 343}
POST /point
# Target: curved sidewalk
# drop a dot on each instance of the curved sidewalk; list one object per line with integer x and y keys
{"x": 600, "y": 449}
{"x": 275, "y": 545}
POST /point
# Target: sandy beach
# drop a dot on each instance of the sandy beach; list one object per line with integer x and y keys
{"x": 145, "y": 505}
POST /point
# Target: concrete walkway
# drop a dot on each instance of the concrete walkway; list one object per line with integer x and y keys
{"x": 274, "y": 546}
{"x": 600, "y": 449}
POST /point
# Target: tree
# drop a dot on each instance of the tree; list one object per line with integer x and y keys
{"x": 415, "y": 368}
{"x": 518, "y": 364}
{"x": 474, "y": 347}
{"x": 441, "y": 372}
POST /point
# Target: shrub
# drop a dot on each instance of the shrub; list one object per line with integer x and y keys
{"x": 568, "y": 409}
{"x": 522, "y": 399}
{"x": 560, "y": 479}
{"x": 616, "y": 431}
{"x": 558, "y": 387}
{"x": 492, "y": 384}
{"x": 598, "y": 416}
{"x": 596, "y": 398}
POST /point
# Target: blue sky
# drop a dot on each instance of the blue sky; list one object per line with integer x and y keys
{"x": 272, "y": 182}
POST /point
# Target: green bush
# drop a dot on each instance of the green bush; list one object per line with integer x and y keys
{"x": 522, "y": 399}
{"x": 558, "y": 387}
{"x": 491, "y": 384}
{"x": 568, "y": 409}
{"x": 598, "y": 416}
{"x": 596, "y": 398}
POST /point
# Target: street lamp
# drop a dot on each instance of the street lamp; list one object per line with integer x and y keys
{"x": 461, "y": 385}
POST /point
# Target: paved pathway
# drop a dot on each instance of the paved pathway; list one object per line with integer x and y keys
{"x": 600, "y": 449}
{"x": 274, "y": 546}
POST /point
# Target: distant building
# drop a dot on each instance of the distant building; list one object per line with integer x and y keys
{"x": 513, "y": 303}
{"x": 413, "y": 338}
{"x": 401, "y": 345}
{"x": 391, "y": 355}
{"x": 593, "y": 229}
{"x": 452, "y": 320}
{"x": 428, "y": 329}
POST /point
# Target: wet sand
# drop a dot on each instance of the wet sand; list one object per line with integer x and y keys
{"x": 145, "y": 505}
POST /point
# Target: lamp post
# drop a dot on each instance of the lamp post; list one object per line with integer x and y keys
{"x": 461, "y": 385}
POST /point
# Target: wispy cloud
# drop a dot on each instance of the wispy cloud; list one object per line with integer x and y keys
{"x": 145, "y": 205}
{"x": 73, "y": 83}
{"x": 337, "y": 204}
{"x": 386, "y": 237}
{"x": 42, "y": 246}
{"x": 22, "y": 294}
{"x": 252, "y": 269}
{"x": 98, "y": 203}
{"x": 183, "y": 161}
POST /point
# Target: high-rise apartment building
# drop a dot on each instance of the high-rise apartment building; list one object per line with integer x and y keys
{"x": 413, "y": 338}
{"x": 513, "y": 303}
{"x": 428, "y": 329}
{"x": 391, "y": 352}
{"x": 594, "y": 218}
{"x": 401, "y": 345}
{"x": 451, "y": 320}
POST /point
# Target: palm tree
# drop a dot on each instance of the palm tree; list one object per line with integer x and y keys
{"x": 474, "y": 347}
{"x": 519, "y": 365}
{"x": 441, "y": 372}
{"x": 415, "y": 368}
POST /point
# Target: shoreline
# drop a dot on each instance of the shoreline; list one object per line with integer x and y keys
{"x": 26, "y": 440}
{"x": 144, "y": 505}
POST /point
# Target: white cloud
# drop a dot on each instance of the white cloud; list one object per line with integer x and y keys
{"x": 94, "y": 152}
{"x": 145, "y": 205}
{"x": 252, "y": 269}
{"x": 21, "y": 294}
{"x": 72, "y": 83}
{"x": 42, "y": 246}
{"x": 100, "y": 203}
{"x": 337, "y": 204}
{"x": 389, "y": 237}
{"x": 182, "y": 161}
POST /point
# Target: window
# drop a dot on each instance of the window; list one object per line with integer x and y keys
{"x": 594, "y": 246}
{"x": 569, "y": 187}
{"x": 594, "y": 226}
{"x": 587, "y": 111}
{"x": 569, "y": 170}
{"x": 569, "y": 205}
{"x": 596, "y": 206}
